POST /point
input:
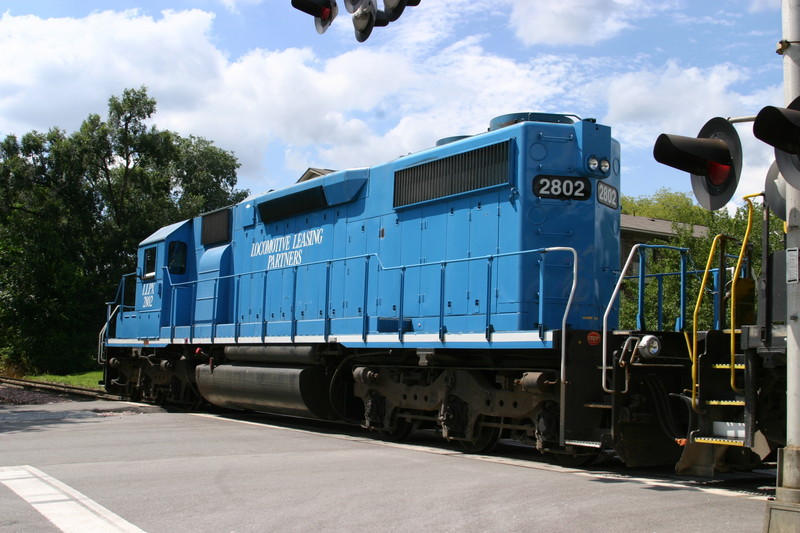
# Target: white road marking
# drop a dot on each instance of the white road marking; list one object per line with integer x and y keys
{"x": 69, "y": 510}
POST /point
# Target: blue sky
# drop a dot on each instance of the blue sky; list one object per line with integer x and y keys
{"x": 256, "y": 78}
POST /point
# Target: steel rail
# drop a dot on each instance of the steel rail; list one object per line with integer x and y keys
{"x": 57, "y": 387}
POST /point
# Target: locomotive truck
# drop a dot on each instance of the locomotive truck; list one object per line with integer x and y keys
{"x": 472, "y": 289}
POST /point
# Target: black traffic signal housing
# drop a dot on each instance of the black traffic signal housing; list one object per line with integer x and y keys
{"x": 365, "y": 17}
{"x": 779, "y": 127}
{"x": 323, "y": 11}
{"x": 713, "y": 158}
{"x": 366, "y": 14}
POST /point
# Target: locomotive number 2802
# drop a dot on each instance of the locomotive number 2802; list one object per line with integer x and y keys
{"x": 562, "y": 188}
{"x": 607, "y": 195}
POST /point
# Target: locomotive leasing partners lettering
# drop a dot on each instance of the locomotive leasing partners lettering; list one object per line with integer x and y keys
{"x": 286, "y": 250}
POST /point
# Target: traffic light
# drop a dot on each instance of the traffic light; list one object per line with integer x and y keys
{"x": 323, "y": 11}
{"x": 365, "y": 17}
{"x": 366, "y": 14}
{"x": 779, "y": 127}
{"x": 713, "y": 158}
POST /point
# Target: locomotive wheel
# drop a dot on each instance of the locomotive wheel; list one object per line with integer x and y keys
{"x": 485, "y": 441}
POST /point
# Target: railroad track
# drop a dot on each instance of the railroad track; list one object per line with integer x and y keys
{"x": 57, "y": 387}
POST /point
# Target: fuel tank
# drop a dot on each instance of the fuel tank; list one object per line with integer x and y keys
{"x": 296, "y": 391}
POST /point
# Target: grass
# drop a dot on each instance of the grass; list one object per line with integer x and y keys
{"x": 87, "y": 379}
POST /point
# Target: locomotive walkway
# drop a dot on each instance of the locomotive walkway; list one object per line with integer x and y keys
{"x": 116, "y": 466}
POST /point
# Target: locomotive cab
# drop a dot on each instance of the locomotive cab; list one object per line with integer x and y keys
{"x": 163, "y": 260}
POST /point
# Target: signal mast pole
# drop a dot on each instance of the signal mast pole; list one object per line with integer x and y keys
{"x": 784, "y": 513}
{"x": 791, "y": 90}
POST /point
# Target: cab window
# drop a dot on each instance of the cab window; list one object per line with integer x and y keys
{"x": 149, "y": 270}
{"x": 176, "y": 260}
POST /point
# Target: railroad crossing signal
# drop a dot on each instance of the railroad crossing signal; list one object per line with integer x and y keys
{"x": 365, "y": 17}
{"x": 366, "y": 14}
{"x": 713, "y": 158}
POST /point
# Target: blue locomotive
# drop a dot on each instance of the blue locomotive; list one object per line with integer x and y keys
{"x": 469, "y": 288}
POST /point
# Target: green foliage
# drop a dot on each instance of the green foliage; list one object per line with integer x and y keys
{"x": 666, "y": 205}
{"x": 73, "y": 209}
{"x": 679, "y": 208}
{"x": 87, "y": 380}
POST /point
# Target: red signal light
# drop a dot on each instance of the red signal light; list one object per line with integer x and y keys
{"x": 717, "y": 173}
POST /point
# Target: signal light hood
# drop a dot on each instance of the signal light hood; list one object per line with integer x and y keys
{"x": 713, "y": 158}
{"x": 780, "y": 128}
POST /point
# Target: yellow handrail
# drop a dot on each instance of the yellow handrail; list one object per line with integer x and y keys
{"x": 694, "y": 320}
{"x": 734, "y": 281}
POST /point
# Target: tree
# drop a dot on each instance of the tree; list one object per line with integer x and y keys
{"x": 46, "y": 236}
{"x": 73, "y": 209}
{"x": 203, "y": 177}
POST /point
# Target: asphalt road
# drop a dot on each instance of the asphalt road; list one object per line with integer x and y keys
{"x": 112, "y": 466}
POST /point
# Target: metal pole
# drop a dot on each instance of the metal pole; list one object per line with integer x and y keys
{"x": 791, "y": 90}
{"x": 784, "y": 513}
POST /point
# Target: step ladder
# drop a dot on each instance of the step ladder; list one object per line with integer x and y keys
{"x": 722, "y": 411}
{"x": 721, "y": 405}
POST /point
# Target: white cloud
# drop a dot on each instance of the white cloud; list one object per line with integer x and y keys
{"x": 425, "y": 28}
{"x": 233, "y": 5}
{"x": 577, "y": 22}
{"x": 718, "y": 19}
{"x": 455, "y": 91}
{"x": 57, "y": 71}
{"x": 762, "y": 5}
{"x": 672, "y": 97}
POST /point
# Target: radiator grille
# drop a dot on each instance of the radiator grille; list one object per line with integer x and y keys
{"x": 455, "y": 174}
{"x": 216, "y": 227}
